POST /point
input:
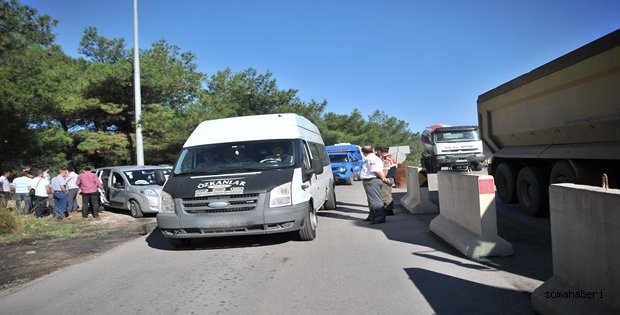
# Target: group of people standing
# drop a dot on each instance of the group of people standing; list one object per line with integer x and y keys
{"x": 377, "y": 176}
{"x": 38, "y": 191}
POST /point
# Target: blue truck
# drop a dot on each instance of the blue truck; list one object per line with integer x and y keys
{"x": 346, "y": 161}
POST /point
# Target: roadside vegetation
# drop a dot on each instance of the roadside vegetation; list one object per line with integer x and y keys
{"x": 60, "y": 110}
{"x": 18, "y": 228}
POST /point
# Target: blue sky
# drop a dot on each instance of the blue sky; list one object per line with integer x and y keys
{"x": 424, "y": 62}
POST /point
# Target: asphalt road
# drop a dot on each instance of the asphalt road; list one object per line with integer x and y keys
{"x": 399, "y": 267}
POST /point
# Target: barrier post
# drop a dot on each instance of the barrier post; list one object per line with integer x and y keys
{"x": 417, "y": 199}
{"x": 467, "y": 217}
{"x": 585, "y": 243}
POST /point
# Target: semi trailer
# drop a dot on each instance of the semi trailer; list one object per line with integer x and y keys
{"x": 558, "y": 123}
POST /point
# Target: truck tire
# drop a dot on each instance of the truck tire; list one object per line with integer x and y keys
{"x": 533, "y": 191}
{"x": 476, "y": 166}
{"x": 308, "y": 231}
{"x": 562, "y": 172}
{"x": 134, "y": 207}
{"x": 430, "y": 168}
{"x": 505, "y": 181}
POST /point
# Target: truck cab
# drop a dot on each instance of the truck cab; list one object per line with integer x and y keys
{"x": 451, "y": 146}
{"x": 346, "y": 162}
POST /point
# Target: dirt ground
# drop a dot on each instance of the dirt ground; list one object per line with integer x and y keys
{"x": 24, "y": 261}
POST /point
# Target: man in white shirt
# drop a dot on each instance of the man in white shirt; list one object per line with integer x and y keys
{"x": 72, "y": 188}
{"x": 372, "y": 179}
{"x": 42, "y": 192}
{"x": 20, "y": 184}
{"x": 5, "y": 188}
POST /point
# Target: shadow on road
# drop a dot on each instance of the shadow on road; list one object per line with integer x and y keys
{"x": 451, "y": 295}
{"x": 158, "y": 241}
{"x": 530, "y": 237}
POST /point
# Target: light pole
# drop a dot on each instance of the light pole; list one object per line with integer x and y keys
{"x": 136, "y": 84}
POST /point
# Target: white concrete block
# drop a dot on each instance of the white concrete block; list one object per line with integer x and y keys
{"x": 417, "y": 198}
{"x": 467, "y": 218}
{"x": 585, "y": 237}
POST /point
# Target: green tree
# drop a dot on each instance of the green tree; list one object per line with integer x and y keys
{"x": 21, "y": 26}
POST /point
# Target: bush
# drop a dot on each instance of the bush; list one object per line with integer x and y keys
{"x": 8, "y": 221}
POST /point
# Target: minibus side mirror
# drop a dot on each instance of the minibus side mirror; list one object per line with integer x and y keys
{"x": 317, "y": 166}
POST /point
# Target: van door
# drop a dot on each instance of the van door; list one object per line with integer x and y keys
{"x": 118, "y": 193}
{"x": 104, "y": 177}
{"x": 321, "y": 180}
{"x": 312, "y": 179}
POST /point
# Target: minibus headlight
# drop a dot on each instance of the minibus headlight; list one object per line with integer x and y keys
{"x": 280, "y": 196}
{"x": 166, "y": 203}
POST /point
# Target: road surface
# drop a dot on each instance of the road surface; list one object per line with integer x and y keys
{"x": 399, "y": 267}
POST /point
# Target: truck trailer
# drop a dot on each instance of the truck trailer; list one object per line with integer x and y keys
{"x": 559, "y": 123}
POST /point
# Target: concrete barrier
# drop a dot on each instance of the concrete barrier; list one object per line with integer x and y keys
{"x": 417, "y": 199}
{"x": 585, "y": 239}
{"x": 467, "y": 217}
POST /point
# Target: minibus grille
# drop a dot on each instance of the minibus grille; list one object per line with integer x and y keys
{"x": 235, "y": 203}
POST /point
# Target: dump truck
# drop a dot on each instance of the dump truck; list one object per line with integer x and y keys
{"x": 451, "y": 146}
{"x": 559, "y": 123}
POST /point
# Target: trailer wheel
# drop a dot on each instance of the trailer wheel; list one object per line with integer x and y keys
{"x": 533, "y": 191}
{"x": 562, "y": 172}
{"x": 505, "y": 181}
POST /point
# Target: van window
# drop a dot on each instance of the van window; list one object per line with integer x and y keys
{"x": 239, "y": 157}
{"x": 144, "y": 177}
{"x": 117, "y": 179}
{"x": 318, "y": 151}
{"x": 306, "y": 157}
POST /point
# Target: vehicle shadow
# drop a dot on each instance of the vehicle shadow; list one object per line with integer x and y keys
{"x": 124, "y": 212}
{"x": 158, "y": 241}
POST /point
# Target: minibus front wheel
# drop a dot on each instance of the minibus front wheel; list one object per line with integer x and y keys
{"x": 308, "y": 230}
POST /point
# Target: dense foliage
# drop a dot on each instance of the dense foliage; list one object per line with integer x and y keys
{"x": 58, "y": 110}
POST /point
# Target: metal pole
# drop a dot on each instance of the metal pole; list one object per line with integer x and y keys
{"x": 136, "y": 80}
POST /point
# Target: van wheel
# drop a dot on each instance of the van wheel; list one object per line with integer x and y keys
{"x": 505, "y": 180}
{"x": 330, "y": 203}
{"x": 308, "y": 231}
{"x": 180, "y": 242}
{"x": 134, "y": 207}
{"x": 533, "y": 191}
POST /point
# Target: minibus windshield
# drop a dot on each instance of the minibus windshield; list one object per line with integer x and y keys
{"x": 236, "y": 157}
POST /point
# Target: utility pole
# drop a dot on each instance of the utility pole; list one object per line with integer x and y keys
{"x": 136, "y": 84}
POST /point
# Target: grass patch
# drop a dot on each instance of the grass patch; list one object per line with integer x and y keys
{"x": 15, "y": 228}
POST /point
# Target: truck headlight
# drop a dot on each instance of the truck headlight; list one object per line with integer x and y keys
{"x": 280, "y": 196}
{"x": 342, "y": 169}
{"x": 166, "y": 203}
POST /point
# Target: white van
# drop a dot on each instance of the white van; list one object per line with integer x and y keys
{"x": 245, "y": 176}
